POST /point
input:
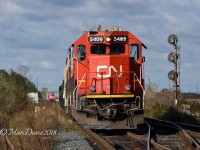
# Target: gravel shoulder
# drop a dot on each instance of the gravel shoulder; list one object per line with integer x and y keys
{"x": 69, "y": 138}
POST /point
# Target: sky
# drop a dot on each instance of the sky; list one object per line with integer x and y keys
{"x": 37, "y": 34}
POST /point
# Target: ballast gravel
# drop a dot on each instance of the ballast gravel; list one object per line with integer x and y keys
{"x": 70, "y": 140}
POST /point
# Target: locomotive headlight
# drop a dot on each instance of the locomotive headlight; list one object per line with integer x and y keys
{"x": 92, "y": 88}
{"x": 127, "y": 87}
{"x": 108, "y": 39}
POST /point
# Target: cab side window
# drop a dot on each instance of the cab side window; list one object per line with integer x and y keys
{"x": 81, "y": 52}
{"x": 134, "y": 51}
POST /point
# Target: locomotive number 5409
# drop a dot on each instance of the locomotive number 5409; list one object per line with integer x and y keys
{"x": 119, "y": 39}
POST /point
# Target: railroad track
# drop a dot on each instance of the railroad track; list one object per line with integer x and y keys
{"x": 195, "y": 135}
{"x": 154, "y": 134}
{"x": 168, "y": 135}
{"x": 118, "y": 139}
{"x": 192, "y": 130}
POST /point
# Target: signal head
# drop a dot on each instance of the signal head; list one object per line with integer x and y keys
{"x": 172, "y": 39}
{"x": 172, "y": 57}
{"x": 172, "y": 75}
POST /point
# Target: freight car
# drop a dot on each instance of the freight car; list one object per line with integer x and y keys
{"x": 103, "y": 83}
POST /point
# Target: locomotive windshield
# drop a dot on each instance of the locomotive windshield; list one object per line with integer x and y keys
{"x": 114, "y": 49}
{"x": 98, "y": 49}
{"x": 117, "y": 49}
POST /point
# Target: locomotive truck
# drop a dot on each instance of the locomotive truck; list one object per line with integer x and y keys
{"x": 103, "y": 84}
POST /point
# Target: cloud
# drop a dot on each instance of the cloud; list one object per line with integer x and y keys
{"x": 47, "y": 65}
{"x": 62, "y": 3}
{"x": 12, "y": 8}
{"x": 37, "y": 33}
{"x": 133, "y": 1}
{"x": 8, "y": 7}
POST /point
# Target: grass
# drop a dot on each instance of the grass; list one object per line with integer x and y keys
{"x": 30, "y": 129}
{"x": 154, "y": 109}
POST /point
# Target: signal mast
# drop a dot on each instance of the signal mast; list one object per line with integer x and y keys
{"x": 174, "y": 57}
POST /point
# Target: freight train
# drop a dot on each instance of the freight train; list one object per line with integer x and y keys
{"x": 103, "y": 84}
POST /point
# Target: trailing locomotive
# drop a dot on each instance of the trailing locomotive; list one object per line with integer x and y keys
{"x": 103, "y": 83}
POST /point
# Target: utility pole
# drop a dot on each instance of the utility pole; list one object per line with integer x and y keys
{"x": 197, "y": 89}
{"x": 174, "y": 57}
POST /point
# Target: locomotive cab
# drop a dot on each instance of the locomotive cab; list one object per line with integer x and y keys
{"x": 104, "y": 79}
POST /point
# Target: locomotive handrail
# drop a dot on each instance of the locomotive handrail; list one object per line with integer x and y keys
{"x": 76, "y": 65}
{"x": 143, "y": 76}
{"x": 139, "y": 81}
{"x": 77, "y": 87}
{"x": 130, "y": 72}
{"x": 77, "y": 61}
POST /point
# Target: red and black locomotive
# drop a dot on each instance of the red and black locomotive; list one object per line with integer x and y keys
{"x": 103, "y": 83}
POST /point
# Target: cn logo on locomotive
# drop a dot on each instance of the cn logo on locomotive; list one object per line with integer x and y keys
{"x": 109, "y": 71}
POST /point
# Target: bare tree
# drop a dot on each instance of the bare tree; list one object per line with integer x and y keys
{"x": 23, "y": 70}
{"x": 151, "y": 90}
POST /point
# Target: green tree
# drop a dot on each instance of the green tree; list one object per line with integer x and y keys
{"x": 13, "y": 94}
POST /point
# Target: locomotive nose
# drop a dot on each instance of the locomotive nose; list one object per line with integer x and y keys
{"x": 110, "y": 74}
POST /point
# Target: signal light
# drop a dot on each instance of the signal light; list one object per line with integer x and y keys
{"x": 172, "y": 39}
{"x": 172, "y": 57}
{"x": 172, "y": 75}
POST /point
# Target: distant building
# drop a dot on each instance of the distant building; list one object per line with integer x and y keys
{"x": 33, "y": 97}
{"x": 186, "y": 108}
{"x": 44, "y": 93}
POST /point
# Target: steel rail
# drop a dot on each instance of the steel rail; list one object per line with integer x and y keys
{"x": 159, "y": 146}
{"x": 141, "y": 137}
{"x": 151, "y": 141}
{"x": 186, "y": 135}
{"x": 137, "y": 137}
{"x": 101, "y": 141}
{"x": 148, "y": 140}
{"x": 193, "y": 134}
{"x": 111, "y": 142}
{"x": 149, "y": 136}
{"x": 182, "y": 130}
{"x": 195, "y": 128}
